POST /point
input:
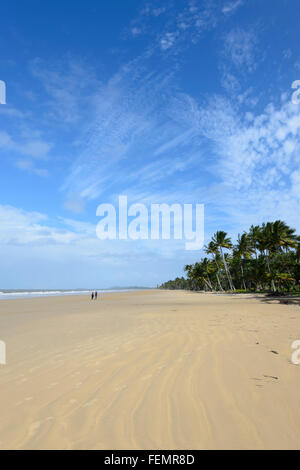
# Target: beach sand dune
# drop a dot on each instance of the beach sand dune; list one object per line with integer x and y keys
{"x": 149, "y": 370}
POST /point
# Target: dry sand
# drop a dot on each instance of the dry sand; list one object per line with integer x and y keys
{"x": 149, "y": 370}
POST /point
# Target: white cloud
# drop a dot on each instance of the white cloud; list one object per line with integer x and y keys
{"x": 232, "y": 6}
{"x": 158, "y": 11}
{"x": 35, "y": 148}
{"x": 295, "y": 178}
{"x": 74, "y": 204}
{"x": 75, "y": 257}
{"x": 135, "y": 31}
{"x": 31, "y": 148}
{"x": 10, "y": 111}
{"x": 239, "y": 47}
{"x": 256, "y": 160}
{"x": 28, "y": 165}
{"x": 130, "y": 127}
{"x": 6, "y": 140}
{"x": 181, "y": 26}
{"x": 21, "y": 228}
{"x": 168, "y": 41}
{"x": 287, "y": 54}
{"x": 70, "y": 85}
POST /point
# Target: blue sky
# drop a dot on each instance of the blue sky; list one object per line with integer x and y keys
{"x": 176, "y": 102}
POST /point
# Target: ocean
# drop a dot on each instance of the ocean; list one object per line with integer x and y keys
{"x": 21, "y": 293}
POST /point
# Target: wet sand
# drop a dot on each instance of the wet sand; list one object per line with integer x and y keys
{"x": 149, "y": 370}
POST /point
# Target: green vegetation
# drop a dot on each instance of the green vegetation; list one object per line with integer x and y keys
{"x": 264, "y": 259}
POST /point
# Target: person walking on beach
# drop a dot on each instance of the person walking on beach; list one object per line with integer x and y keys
{"x": 92, "y": 296}
{"x": 95, "y": 295}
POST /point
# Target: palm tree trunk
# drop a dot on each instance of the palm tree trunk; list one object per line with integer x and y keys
{"x": 217, "y": 274}
{"x": 219, "y": 283}
{"x": 208, "y": 283}
{"x": 227, "y": 271}
{"x": 269, "y": 269}
{"x": 243, "y": 277}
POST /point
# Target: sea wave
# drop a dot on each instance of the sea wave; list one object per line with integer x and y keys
{"x": 19, "y": 294}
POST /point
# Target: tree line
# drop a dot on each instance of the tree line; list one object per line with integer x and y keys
{"x": 266, "y": 258}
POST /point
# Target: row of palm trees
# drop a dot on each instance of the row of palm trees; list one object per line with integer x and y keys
{"x": 266, "y": 258}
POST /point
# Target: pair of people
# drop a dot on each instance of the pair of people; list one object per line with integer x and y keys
{"x": 94, "y": 295}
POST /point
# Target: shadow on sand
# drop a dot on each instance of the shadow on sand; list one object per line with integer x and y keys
{"x": 281, "y": 299}
{"x": 286, "y": 300}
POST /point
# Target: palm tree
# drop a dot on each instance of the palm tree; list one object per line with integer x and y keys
{"x": 276, "y": 263}
{"x": 206, "y": 269}
{"x": 189, "y": 270}
{"x": 274, "y": 237}
{"x": 298, "y": 250}
{"x": 283, "y": 236}
{"x": 242, "y": 251}
{"x": 221, "y": 241}
{"x": 212, "y": 249}
{"x": 266, "y": 246}
{"x": 254, "y": 237}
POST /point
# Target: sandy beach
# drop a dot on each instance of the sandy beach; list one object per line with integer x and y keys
{"x": 149, "y": 370}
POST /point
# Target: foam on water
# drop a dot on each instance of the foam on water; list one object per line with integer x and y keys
{"x": 19, "y": 294}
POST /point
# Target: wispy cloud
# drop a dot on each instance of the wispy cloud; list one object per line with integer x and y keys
{"x": 30, "y": 167}
{"x": 69, "y": 83}
{"x": 19, "y": 227}
{"x": 230, "y": 7}
{"x": 135, "y": 31}
{"x": 131, "y": 125}
{"x": 238, "y": 59}
{"x": 180, "y": 26}
{"x": 130, "y": 128}
{"x": 239, "y": 47}
{"x": 257, "y": 159}
{"x": 33, "y": 149}
{"x": 168, "y": 40}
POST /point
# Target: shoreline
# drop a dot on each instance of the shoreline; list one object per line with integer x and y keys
{"x": 61, "y": 293}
